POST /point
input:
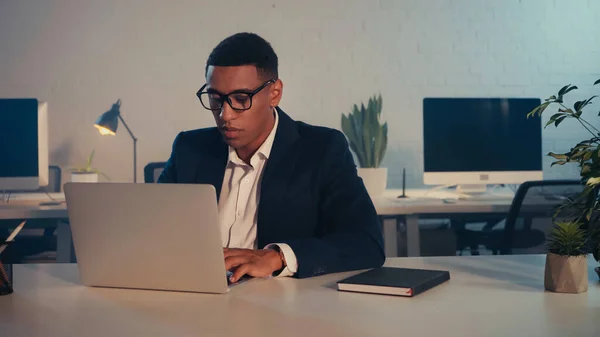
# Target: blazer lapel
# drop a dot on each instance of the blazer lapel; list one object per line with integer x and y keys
{"x": 280, "y": 166}
{"x": 211, "y": 164}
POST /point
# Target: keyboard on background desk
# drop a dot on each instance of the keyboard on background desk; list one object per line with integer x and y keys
{"x": 487, "y": 198}
{"x": 34, "y": 199}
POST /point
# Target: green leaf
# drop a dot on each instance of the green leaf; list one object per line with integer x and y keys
{"x": 349, "y": 128}
{"x": 567, "y": 239}
{"x": 596, "y": 157}
{"x": 557, "y": 155}
{"x": 90, "y": 159}
{"x": 569, "y": 89}
{"x": 559, "y": 120}
{"x": 379, "y": 106}
{"x": 582, "y": 146}
{"x": 581, "y": 152}
{"x": 593, "y": 181}
{"x": 560, "y": 162}
{"x": 383, "y": 144}
{"x": 585, "y": 169}
{"x": 554, "y": 118}
{"x": 563, "y": 89}
{"x": 533, "y": 112}
{"x": 375, "y": 132}
{"x": 579, "y": 105}
{"x": 539, "y": 109}
{"x": 380, "y": 143}
{"x": 367, "y": 137}
{"x": 543, "y": 107}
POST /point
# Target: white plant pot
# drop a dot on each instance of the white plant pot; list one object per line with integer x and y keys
{"x": 84, "y": 177}
{"x": 375, "y": 180}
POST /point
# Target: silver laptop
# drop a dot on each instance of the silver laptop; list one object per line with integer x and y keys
{"x": 147, "y": 236}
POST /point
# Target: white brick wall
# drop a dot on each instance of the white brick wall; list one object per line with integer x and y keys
{"x": 81, "y": 56}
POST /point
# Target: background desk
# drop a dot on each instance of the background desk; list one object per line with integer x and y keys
{"x": 426, "y": 202}
{"x": 27, "y": 206}
{"x": 486, "y": 296}
{"x": 421, "y": 202}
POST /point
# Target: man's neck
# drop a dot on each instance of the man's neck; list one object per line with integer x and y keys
{"x": 246, "y": 153}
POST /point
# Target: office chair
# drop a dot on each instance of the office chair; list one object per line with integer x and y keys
{"x": 533, "y": 199}
{"x": 152, "y": 171}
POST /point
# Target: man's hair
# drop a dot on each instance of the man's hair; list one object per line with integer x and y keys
{"x": 245, "y": 49}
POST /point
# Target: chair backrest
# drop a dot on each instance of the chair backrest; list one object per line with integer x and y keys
{"x": 536, "y": 198}
{"x": 152, "y": 171}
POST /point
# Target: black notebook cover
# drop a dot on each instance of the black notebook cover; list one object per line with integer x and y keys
{"x": 394, "y": 281}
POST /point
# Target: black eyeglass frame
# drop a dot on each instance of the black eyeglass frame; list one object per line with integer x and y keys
{"x": 225, "y": 97}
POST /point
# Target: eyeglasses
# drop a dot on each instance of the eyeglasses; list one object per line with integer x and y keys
{"x": 237, "y": 100}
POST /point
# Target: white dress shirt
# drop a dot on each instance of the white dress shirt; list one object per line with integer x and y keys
{"x": 239, "y": 200}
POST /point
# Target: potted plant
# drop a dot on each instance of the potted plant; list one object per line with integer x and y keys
{"x": 87, "y": 173}
{"x": 584, "y": 208}
{"x": 368, "y": 140}
{"x": 566, "y": 262}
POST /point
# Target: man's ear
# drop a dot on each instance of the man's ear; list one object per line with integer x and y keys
{"x": 275, "y": 93}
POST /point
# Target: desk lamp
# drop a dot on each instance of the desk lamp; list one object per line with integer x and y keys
{"x": 107, "y": 125}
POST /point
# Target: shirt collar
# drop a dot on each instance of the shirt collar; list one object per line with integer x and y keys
{"x": 264, "y": 150}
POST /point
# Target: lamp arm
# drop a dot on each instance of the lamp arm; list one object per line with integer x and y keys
{"x": 134, "y": 149}
{"x": 127, "y": 127}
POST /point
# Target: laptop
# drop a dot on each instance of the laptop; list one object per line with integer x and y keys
{"x": 147, "y": 236}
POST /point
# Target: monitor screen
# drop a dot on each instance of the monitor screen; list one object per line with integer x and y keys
{"x": 481, "y": 135}
{"x": 19, "y": 138}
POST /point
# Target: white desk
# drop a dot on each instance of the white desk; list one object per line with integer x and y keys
{"x": 486, "y": 296}
{"x": 428, "y": 202}
{"x": 421, "y": 202}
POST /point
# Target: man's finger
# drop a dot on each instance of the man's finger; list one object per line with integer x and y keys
{"x": 234, "y": 261}
{"x": 227, "y": 252}
{"x": 239, "y": 272}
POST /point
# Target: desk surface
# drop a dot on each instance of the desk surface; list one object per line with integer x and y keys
{"x": 424, "y": 201}
{"x": 486, "y": 296}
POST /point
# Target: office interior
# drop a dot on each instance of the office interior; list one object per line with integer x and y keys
{"x": 437, "y": 66}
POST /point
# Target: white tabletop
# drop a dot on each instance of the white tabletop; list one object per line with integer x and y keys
{"x": 429, "y": 201}
{"x": 486, "y": 296}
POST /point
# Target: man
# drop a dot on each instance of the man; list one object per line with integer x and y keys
{"x": 290, "y": 200}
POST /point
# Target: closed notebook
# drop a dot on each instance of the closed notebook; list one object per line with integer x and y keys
{"x": 394, "y": 281}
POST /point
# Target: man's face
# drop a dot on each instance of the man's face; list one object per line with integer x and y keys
{"x": 243, "y": 129}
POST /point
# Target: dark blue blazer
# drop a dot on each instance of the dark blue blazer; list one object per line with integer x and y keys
{"x": 311, "y": 197}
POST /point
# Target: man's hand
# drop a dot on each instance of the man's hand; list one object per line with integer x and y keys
{"x": 256, "y": 263}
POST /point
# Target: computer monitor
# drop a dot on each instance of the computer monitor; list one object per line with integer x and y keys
{"x": 23, "y": 144}
{"x": 475, "y": 142}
